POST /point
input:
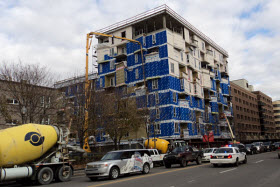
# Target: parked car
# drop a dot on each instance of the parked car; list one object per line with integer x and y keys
{"x": 156, "y": 156}
{"x": 207, "y": 153}
{"x": 183, "y": 155}
{"x": 116, "y": 163}
{"x": 251, "y": 149}
{"x": 260, "y": 147}
{"x": 276, "y": 145}
{"x": 268, "y": 146}
{"x": 228, "y": 155}
{"x": 278, "y": 152}
{"x": 240, "y": 146}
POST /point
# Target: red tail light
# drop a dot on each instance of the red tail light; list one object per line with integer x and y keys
{"x": 278, "y": 147}
{"x": 229, "y": 156}
{"x": 211, "y": 156}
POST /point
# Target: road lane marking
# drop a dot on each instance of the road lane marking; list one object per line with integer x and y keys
{"x": 191, "y": 181}
{"x": 259, "y": 161}
{"x": 149, "y": 175}
{"x": 228, "y": 170}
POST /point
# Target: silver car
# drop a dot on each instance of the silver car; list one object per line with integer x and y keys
{"x": 116, "y": 163}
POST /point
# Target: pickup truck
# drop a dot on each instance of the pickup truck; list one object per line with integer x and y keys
{"x": 156, "y": 156}
{"x": 182, "y": 155}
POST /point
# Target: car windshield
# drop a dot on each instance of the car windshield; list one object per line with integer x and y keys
{"x": 179, "y": 149}
{"x": 257, "y": 144}
{"x": 224, "y": 150}
{"x": 266, "y": 143}
{"x": 248, "y": 145}
{"x": 112, "y": 156}
{"x": 207, "y": 150}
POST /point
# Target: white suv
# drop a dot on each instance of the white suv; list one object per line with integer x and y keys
{"x": 116, "y": 163}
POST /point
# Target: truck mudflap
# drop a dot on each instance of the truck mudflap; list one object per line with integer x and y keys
{"x": 7, "y": 174}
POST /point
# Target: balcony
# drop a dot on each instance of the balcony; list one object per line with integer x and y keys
{"x": 102, "y": 45}
{"x": 190, "y": 61}
{"x": 183, "y": 75}
{"x": 194, "y": 43}
{"x": 208, "y": 59}
{"x": 198, "y": 91}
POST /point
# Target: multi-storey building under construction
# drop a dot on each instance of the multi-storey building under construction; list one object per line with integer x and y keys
{"x": 185, "y": 72}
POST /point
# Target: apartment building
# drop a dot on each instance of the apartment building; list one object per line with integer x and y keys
{"x": 276, "y": 110}
{"x": 266, "y": 114}
{"x": 183, "y": 77}
{"x": 21, "y": 103}
{"x": 245, "y": 110}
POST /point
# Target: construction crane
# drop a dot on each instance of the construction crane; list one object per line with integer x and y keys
{"x": 86, "y": 146}
{"x": 231, "y": 132}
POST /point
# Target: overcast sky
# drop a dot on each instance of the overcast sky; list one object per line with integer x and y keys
{"x": 53, "y": 32}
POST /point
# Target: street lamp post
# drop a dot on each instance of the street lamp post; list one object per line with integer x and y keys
{"x": 23, "y": 111}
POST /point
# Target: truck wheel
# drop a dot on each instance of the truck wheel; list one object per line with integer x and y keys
{"x": 114, "y": 173}
{"x": 183, "y": 163}
{"x": 198, "y": 160}
{"x": 45, "y": 176}
{"x": 64, "y": 173}
{"x": 146, "y": 168}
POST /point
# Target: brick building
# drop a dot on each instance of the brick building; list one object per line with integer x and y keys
{"x": 268, "y": 129}
{"x": 246, "y": 115}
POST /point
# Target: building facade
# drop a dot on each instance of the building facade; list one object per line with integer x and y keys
{"x": 245, "y": 110}
{"x": 266, "y": 114}
{"x": 22, "y": 103}
{"x": 183, "y": 76}
{"x": 276, "y": 110}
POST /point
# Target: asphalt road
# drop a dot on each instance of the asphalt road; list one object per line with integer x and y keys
{"x": 261, "y": 170}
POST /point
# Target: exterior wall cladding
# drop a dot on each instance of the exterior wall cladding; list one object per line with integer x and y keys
{"x": 187, "y": 80}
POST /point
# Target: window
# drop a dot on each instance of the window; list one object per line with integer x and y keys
{"x": 157, "y": 98}
{"x": 174, "y": 112}
{"x": 112, "y": 40}
{"x": 100, "y": 68}
{"x": 155, "y": 84}
{"x": 12, "y": 101}
{"x": 190, "y": 87}
{"x": 157, "y": 128}
{"x": 125, "y": 75}
{"x": 203, "y": 45}
{"x": 172, "y": 67}
{"x": 136, "y": 58}
{"x": 48, "y": 102}
{"x": 182, "y": 84}
{"x": 176, "y": 128}
{"x": 174, "y": 97}
{"x": 101, "y": 82}
{"x": 48, "y": 120}
{"x": 112, "y": 64}
{"x": 112, "y": 52}
{"x": 136, "y": 74}
{"x": 198, "y": 53}
{"x": 157, "y": 113}
{"x": 154, "y": 38}
{"x": 112, "y": 81}
{"x": 182, "y": 56}
{"x": 42, "y": 101}
{"x": 123, "y": 34}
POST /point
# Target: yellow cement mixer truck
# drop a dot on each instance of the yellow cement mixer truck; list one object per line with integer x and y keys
{"x": 34, "y": 153}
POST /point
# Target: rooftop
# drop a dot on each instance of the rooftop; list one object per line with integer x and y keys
{"x": 156, "y": 11}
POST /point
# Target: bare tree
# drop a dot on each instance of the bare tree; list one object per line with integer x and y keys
{"x": 120, "y": 116}
{"x": 29, "y": 85}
